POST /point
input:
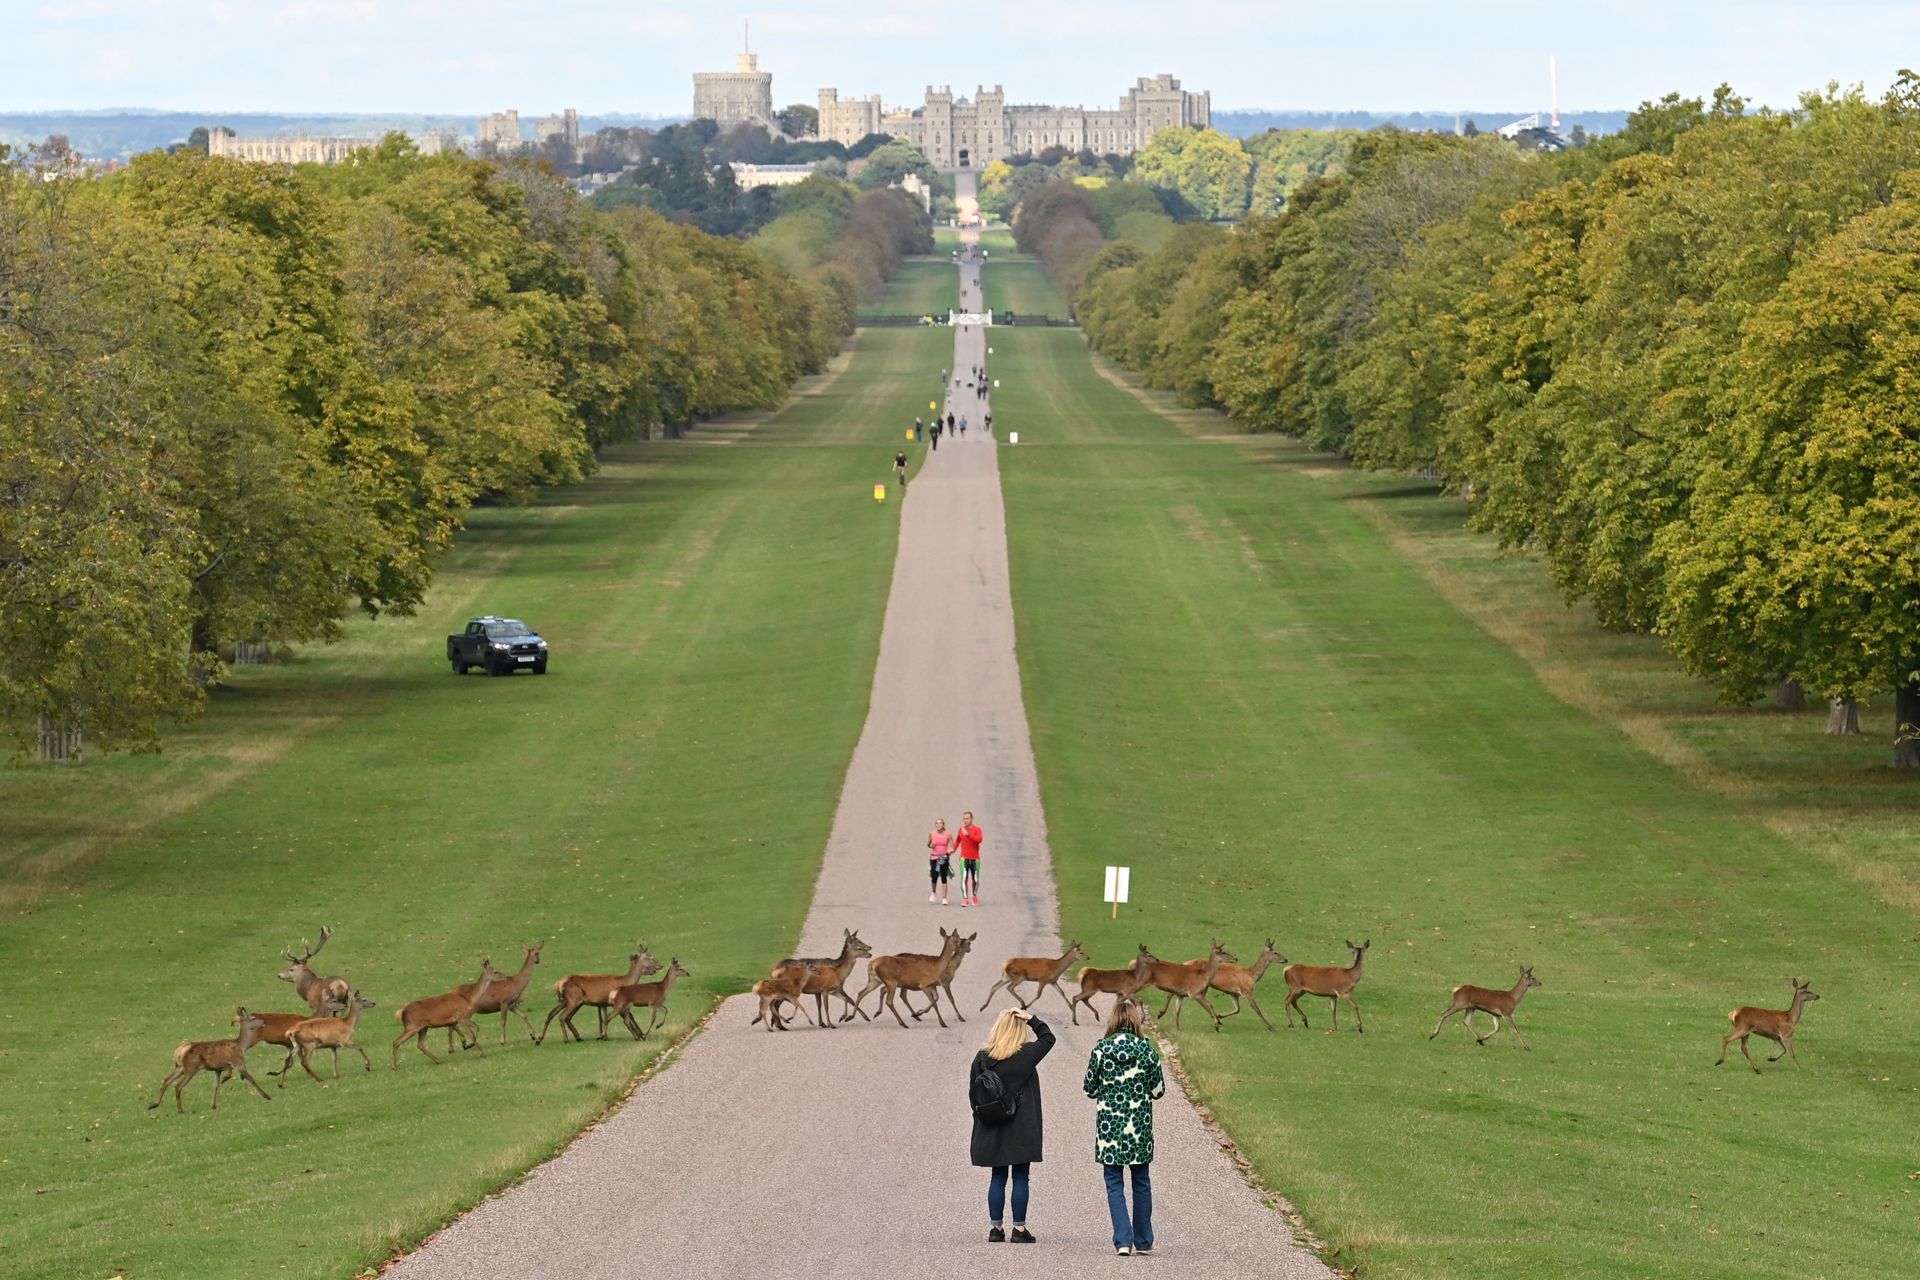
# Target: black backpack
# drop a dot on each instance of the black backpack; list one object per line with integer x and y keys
{"x": 992, "y": 1104}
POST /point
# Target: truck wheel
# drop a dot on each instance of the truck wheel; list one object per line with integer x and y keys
{"x": 459, "y": 666}
{"x": 540, "y": 667}
{"x": 496, "y": 669}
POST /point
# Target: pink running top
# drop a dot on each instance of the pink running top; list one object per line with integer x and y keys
{"x": 938, "y": 843}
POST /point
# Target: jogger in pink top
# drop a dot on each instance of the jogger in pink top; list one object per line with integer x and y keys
{"x": 939, "y": 860}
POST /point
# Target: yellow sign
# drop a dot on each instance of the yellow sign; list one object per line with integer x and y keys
{"x": 909, "y": 433}
{"x": 933, "y": 404}
{"x": 879, "y": 493}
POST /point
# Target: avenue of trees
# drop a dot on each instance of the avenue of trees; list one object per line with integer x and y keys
{"x": 1678, "y": 364}
{"x": 241, "y": 400}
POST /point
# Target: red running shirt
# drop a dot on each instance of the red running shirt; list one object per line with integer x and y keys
{"x": 970, "y": 838}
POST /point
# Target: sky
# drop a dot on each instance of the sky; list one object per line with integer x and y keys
{"x": 638, "y": 56}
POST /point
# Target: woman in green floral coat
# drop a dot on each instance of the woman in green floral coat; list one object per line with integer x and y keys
{"x": 1123, "y": 1079}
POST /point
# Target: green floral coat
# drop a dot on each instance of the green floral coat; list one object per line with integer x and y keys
{"x": 1123, "y": 1078}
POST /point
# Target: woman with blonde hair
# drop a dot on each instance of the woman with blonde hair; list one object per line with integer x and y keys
{"x": 1003, "y": 1088}
{"x": 1123, "y": 1079}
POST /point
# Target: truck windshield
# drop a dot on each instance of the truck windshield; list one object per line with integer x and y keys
{"x": 507, "y": 630}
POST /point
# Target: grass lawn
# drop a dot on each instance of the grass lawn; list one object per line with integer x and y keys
{"x": 921, "y": 286}
{"x": 714, "y": 612}
{"x": 1021, "y": 285}
{"x": 1265, "y": 684}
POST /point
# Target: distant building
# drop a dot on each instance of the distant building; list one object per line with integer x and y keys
{"x": 958, "y": 131}
{"x": 565, "y": 128}
{"x": 743, "y": 95}
{"x": 501, "y": 131}
{"x": 304, "y": 150}
{"x": 769, "y": 175}
{"x": 919, "y": 190}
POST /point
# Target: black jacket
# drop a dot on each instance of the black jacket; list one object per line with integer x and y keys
{"x": 1018, "y": 1140}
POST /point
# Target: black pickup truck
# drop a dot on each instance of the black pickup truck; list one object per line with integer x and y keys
{"x": 498, "y": 646}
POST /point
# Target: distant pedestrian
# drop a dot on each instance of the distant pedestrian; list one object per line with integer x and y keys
{"x": 969, "y": 837}
{"x": 934, "y": 435}
{"x": 919, "y": 428}
{"x": 939, "y": 860}
{"x": 900, "y": 469}
{"x": 949, "y": 422}
{"x": 963, "y": 427}
{"x": 987, "y": 422}
{"x": 1007, "y": 1124}
{"x": 1123, "y": 1079}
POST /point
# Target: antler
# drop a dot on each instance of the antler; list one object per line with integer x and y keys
{"x": 326, "y": 931}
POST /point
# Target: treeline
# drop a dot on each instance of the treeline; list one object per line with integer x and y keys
{"x": 1678, "y": 365}
{"x": 239, "y": 400}
{"x": 852, "y": 241}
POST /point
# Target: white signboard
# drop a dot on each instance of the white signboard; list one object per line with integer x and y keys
{"x": 1013, "y": 437}
{"x": 1117, "y": 887}
{"x": 970, "y": 317}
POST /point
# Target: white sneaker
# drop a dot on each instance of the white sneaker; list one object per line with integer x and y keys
{"x": 932, "y": 896}
{"x": 1125, "y": 1251}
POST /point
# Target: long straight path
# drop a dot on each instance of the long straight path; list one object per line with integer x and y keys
{"x": 844, "y": 1152}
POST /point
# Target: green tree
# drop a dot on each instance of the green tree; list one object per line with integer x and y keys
{"x": 798, "y": 120}
{"x": 1210, "y": 171}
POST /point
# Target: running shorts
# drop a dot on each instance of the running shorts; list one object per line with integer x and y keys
{"x": 940, "y": 870}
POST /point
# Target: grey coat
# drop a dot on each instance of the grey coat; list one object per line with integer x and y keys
{"x": 1018, "y": 1140}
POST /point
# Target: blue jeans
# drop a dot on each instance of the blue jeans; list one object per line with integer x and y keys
{"x": 1137, "y": 1234}
{"x": 997, "y": 1194}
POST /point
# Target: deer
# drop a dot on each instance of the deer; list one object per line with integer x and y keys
{"x": 1238, "y": 981}
{"x": 1042, "y": 971}
{"x": 314, "y": 989}
{"x": 910, "y": 972}
{"x": 222, "y": 1057}
{"x": 1184, "y": 982}
{"x": 651, "y": 994}
{"x": 784, "y": 987}
{"x": 453, "y": 1009}
{"x": 580, "y": 989}
{"x": 831, "y": 974}
{"x": 276, "y": 1027}
{"x": 1491, "y": 1000}
{"x": 326, "y": 1033}
{"x": 1776, "y": 1025}
{"x": 1331, "y": 981}
{"x": 944, "y": 982}
{"x": 503, "y": 997}
{"x": 1124, "y": 983}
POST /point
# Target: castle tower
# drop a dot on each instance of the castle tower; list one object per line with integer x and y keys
{"x": 743, "y": 95}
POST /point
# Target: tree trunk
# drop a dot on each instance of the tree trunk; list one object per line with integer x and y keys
{"x": 1843, "y": 716}
{"x": 1789, "y": 696}
{"x": 1906, "y": 726}
{"x": 58, "y": 744}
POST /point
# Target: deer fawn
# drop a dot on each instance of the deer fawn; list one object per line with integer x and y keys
{"x": 577, "y": 990}
{"x": 1776, "y": 1025}
{"x": 784, "y": 987}
{"x": 1042, "y": 971}
{"x": 1184, "y": 982}
{"x": 830, "y": 975}
{"x": 909, "y": 972}
{"x": 454, "y": 1009}
{"x": 326, "y": 1033}
{"x": 944, "y": 982}
{"x": 1331, "y": 981}
{"x": 1239, "y": 980}
{"x": 1491, "y": 1000}
{"x": 222, "y": 1057}
{"x": 503, "y": 997}
{"x": 651, "y": 994}
{"x": 1124, "y": 983}
{"x": 317, "y": 991}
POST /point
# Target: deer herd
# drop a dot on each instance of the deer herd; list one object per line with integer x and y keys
{"x": 334, "y": 1005}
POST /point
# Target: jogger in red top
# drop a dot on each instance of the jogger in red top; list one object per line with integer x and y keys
{"x": 968, "y": 837}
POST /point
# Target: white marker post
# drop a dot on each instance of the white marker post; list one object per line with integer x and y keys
{"x": 1117, "y": 887}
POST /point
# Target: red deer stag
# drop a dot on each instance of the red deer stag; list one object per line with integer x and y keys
{"x": 222, "y": 1057}
{"x": 453, "y": 1009}
{"x": 909, "y": 972}
{"x": 1776, "y": 1025}
{"x": 1042, "y": 971}
{"x": 1335, "y": 983}
{"x": 652, "y": 995}
{"x": 1491, "y": 1000}
{"x": 327, "y": 1033}
{"x": 1124, "y": 983}
{"x": 317, "y": 991}
{"x": 830, "y": 975}
{"x": 1184, "y": 982}
{"x": 578, "y": 990}
{"x": 784, "y": 987}
{"x": 503, "y": 997}
{"x": 1239, "y": 980}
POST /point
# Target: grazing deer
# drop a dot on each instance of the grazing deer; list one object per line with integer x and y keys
{"x": 909, "y": 972}
{"x": 1776, "y": 1025}
{"x": 784, "y": 987}
{"x": 577, "y": 990}
{"x": 1491, "y": 1000}
{"x": 454, "y": 1009}
{"x": 1239, "y": 980}
{"x": 222, "y": 1057}
{"x": 1124, "y": 983}
{"x": 1184, "y": 982}
{"x": 327, "y": 1033}
{"x": 830, "y": 976}
{"x": 275, "y": 1028}
{"x": 1335, "y": 983}
{"x": 503, "y": 997}
{"x": 944, "y": 982}
{"x": 317, "y": 991}
{"x": 1042, "y": 971}
{"x": 651, "y": 994}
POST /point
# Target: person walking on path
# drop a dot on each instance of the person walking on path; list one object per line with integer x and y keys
{"x": 1007, "y": 1125}
{"x": 1123, "y": 1079}
{"x": 969, "y": 837}
{"x": 919, "y": 429}
{"x": 949, "y": 422}
{"x": 939, "y": 860}
{"x": 933, "y": 434}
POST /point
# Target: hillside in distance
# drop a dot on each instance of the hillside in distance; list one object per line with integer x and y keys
{"x": 1245, "y": 122}
{"x": 121, "y": 134}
